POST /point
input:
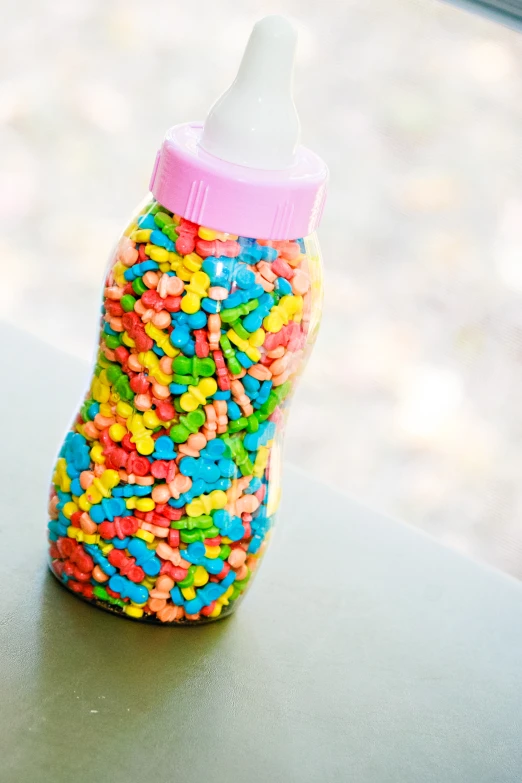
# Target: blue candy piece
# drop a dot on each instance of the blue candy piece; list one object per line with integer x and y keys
{"x": 219, "y": 270}
{"x": 137, "y": 270}
{"x": 127, "y": 589}
{"x": 158, "y": 238}
{"x": 227, "y": 468}
{"x": 233, "y": 410}
{"x": 195, "y": 551}
{"x": 194, "y": 605}
{"x": 108, "y": 509}
{"x": 214, "y": 449}
{"x": 252, "y": 385}
{"x": 228, "y": 525}
{"x": 164, "y": 448}
{"x": 263, "y": 393}
{"x": 120, "y": 543}
{"x": 146, "y": 221}
{"x": 199, "y": 469}
{"x": 76, "y": 451}
{"x": 227, "y": 581}
{"x": 244, "y": 277}
{"x": 145, "y": 557}
{"x": 157, "y": 350}
{"x": 76, "y": 487}
{"x": 301, "y": 243}
{"x": 131, "y": 490}
{"x": 254, "y": 320}
{"x": 177, "y": 388}
{"x": 180, "y": 335}
{"x": 254, "y": 485}
{"x": 100, "y": 559}
{"x": 254, "y": 253}
{"x": 177, "y": 596}
{"x": 234, "y": 300}
{"x": 221, "y": 395}
{"x": 210, "y": 305}
{"x": 244, "y": 360}
{"x": 255, "y": 544}
{"x": 107, "y": 330}
{"x": 189, "y": 349}
{"x": 197, "y": 320}
{"x": 282, "y": 286}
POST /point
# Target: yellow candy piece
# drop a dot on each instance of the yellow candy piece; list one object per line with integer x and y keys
{"x": 141, "y": 235}
{"x": 106, "y": 548}
{"x": 145, "y": 535}
{"x": 75, "y": 532}
{"x": 117, "y": 432}
{"x": 91, "y": 539}
{"x": 257, "y": 339}
{"x": 142, "y": 504}
{"x": 216, "y": 611}
{"x": 212, "y": 551}
{"x": 200, "y": 576}
{"x": 208, "y": 234}
{"x": 274, "y": 322}
{"x": 114, "y": 398}
{"x": 161, "y": 339}
{"x": 130, "y": 228}
{"x": 105, "y": 409}
{"x": 128, "y": 341}
{"x": 165, "y": 267}
{"x": 84, "y": 503}
{"x": 133, "y": 610}
{"x": 101, "y": 486}
{"x": 244, "y": 345}
{"x": 190, "y": 304}
{"x": 199, "y": 284}
{"x": 99, "y": 390}
{"x": 159, "y": 254}
{"x": 69, "y": 509}
{"x": 118, "y": 272}
{"x": 224, "y": 598}
{"x": 148, "y": 582}
{"x": 197, "y": 395}
{"x": 188, "y": 593}
{"x": 96, "y": 454}
{"x": 124, "y": 410}
{"x": 141, "y": 436}
{"x": 261, "y": 461}
{"x": 192, "y": 262}
{"x": 204, "y": 504}
{"x": 60, "y": 477}
{"x": 151, "y": 421}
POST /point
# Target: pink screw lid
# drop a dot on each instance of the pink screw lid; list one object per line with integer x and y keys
{"x": 252, "y": 202}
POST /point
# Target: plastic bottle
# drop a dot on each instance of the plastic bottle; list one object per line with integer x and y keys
{"x": 164, "y": 493}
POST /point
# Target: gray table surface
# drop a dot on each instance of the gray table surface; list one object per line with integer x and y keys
{"x": 365, "y": 652}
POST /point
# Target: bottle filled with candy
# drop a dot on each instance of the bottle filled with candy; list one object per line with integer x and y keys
{"x": 164, "y": 493}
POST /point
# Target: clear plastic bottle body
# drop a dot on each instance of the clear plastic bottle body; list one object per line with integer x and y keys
{"x": 165, "y": 491}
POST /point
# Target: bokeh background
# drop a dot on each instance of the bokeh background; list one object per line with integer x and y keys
{"x": 412, "y": 401}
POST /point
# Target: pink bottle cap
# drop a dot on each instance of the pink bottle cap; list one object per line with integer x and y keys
{"x": 242, "y": 171}
{"x": 251, "y": 202}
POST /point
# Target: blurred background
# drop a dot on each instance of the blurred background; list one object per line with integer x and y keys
{"x": 412, "y": 401}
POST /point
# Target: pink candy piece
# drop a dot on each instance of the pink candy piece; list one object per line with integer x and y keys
{"x": 215, "y": 247}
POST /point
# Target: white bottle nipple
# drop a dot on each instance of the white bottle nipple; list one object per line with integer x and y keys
{"x": 255, "y": 123}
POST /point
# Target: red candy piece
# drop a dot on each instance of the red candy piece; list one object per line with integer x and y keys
{"x": 176, "y": 573}
{"x": 140, "y": 384}
{"x": 173, "y": 538}
{"x": 174, "y": 514}
{"x": 186, "y": 241}
{"x": 120, "y": 528}
{"x": 127, "y": 444}
{"x": 151, "y": 299}
{"x": 207, "y": 610}
{"x": 172, "y": 303}
{"x": 139, "y": 466}
{"x": 113, "y": 308}
{"x": 165, "y": 411}
{"x": 142, "y": 256}
{"x": 216, "y": 247}
{"x": 282, "y": 269}
{"x": 126, "y": 565}
{"x": 121, "y": 354}
{"x": 202, "y": 346}
{"x": 223, "y": 378}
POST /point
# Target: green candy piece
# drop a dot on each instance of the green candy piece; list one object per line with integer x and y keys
{"x": 236, "y": 592}
{"x": 186, "y": 380}
{"x": 84, "y": 410}
{"x": 161, "y": 219}
{"x": 127, "y": 302}
{"x": 211, "y": 532}
{"x": 241, "y": 584}
{"x": 113, "y": 372}
{"x": 230, "y": 315}
{"x": 240, "y": 330}
{"x": 155, "y": 208}
{"x": 187, "y": 425}
{"x": 112, "y": 341}
{"x": 189, "y": 523}
{"x": 190, "y": 536}
{"x": 189, "y": 579}
{"x": 224, "y": 552}
{"x": 120, "y": 382}
{"x": 252, "y": 423}
{"x": 139, "y": 286}
{"x": 170, "y": 232}
{"x": 238, "y": 424}
{"x": 194, "y": 367}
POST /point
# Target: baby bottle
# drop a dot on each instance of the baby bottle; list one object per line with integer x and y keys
{"x": 164, "y": 493}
